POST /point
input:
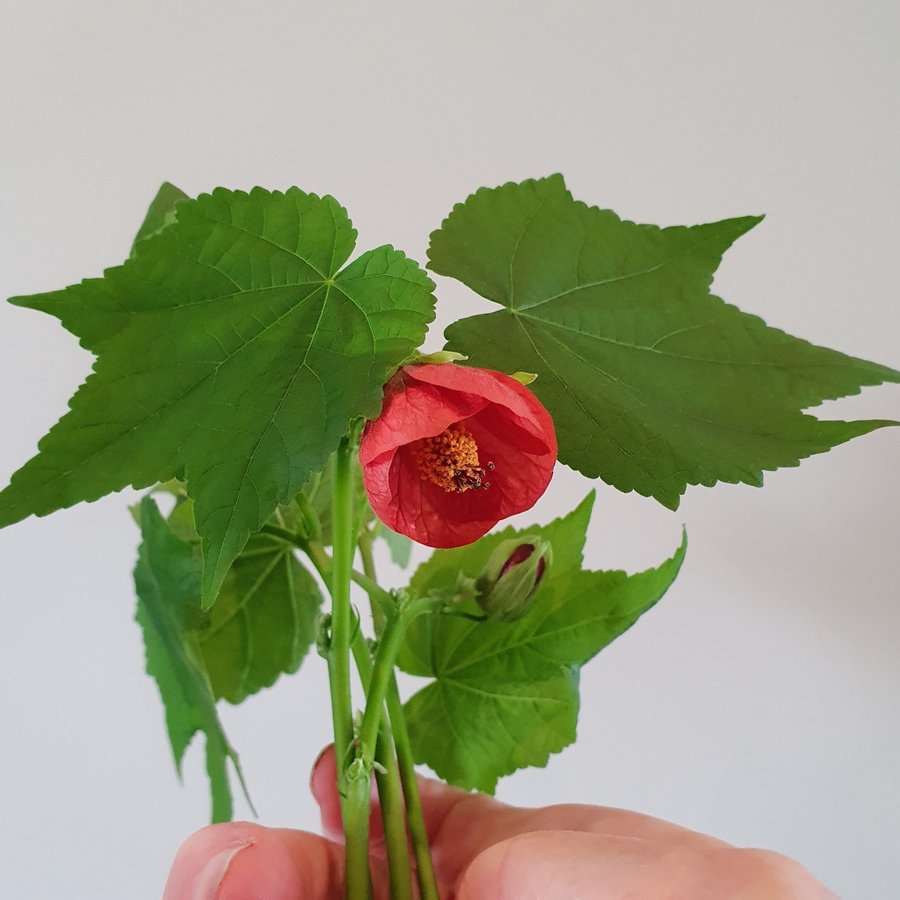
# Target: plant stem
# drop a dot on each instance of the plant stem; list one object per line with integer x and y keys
{"x": 368, "y": 562}
{"x": 352, "y": 783}
{"x": 383, "y": 669}
{"x": 405, "y": 763}
{"x": 390, "y": 790}
{"x": 360, "y": 769}
{"x": 415, "y": 817}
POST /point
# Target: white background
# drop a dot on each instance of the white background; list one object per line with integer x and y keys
{"x": 758, "y": 702}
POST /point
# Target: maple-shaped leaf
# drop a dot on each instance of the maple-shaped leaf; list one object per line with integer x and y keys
{"x": 260, "y": 628}
{"x": 167, "y": 580}
{"x": 233, "y": 350}
{"x": 505, "y": 694}
{"x": 653, "y": 383}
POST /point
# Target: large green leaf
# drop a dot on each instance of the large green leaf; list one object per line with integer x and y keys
{"x": 505, "y": 695}
{"x": 167, "y": 579}
{"x": 653, "y": 383}
{"x": 232, "y": 351}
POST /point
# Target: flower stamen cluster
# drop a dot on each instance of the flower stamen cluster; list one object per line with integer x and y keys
{"x": 450, "y": 460}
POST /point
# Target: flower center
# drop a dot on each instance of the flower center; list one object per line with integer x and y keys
{"x": 450, "y": 460}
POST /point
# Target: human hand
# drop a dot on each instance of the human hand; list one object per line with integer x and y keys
{"x": 486, "y": 850}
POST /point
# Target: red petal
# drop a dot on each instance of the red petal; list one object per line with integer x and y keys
{"x": 413, "y": 411}
{"x": 519, "y": 477}
{"x": 494, "y": 387}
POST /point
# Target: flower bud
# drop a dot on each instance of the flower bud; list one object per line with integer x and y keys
{"x": 512, "y": 575}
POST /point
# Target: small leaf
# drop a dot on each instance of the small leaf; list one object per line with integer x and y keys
{"x": 505, "y": 695}
{"x": 167, "y": 579}
{"x": 653, "y": 383}
{"x": 233, "y": 353}
{"x": 399, "y": 546}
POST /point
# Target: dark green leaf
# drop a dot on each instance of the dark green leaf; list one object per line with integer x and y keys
{"x": 652, "y": 382}
{"x": 505, "y": 695}
{"x": 233, "y": 352}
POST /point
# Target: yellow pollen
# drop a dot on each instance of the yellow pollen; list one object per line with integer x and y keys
{"x": 450, "y": 460}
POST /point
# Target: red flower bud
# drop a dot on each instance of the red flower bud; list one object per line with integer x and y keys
{"x": 511, "y": 577}
{"x": 455, "y": 450}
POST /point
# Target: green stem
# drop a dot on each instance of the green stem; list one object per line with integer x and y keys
{"x": 310, "y": 518}
{"x": 360, "y": 769}
{"x": 390, "y": 789}
{"x": 405, "y": 763}
{"x": 324, "y": 565}
{"x": 383, "y": 670}
{"x": 352, "y": 782}
{"x": 415, "y": 816}
{"x": 368, "y": 563}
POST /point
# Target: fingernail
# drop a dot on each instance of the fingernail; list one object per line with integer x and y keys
{"x": 209, "y": 878}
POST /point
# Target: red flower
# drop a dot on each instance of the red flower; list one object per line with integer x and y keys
{"x": 455, "y": 450}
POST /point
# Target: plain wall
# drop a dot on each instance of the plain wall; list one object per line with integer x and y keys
{"x": 758, "y": 701}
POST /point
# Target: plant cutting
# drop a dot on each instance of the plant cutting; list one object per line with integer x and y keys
{"x": 266, "y": 387}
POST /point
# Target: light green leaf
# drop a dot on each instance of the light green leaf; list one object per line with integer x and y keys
{"x": 233, "y": 352}
{"x": 399, "y": 546}
{"x": 160, "y": 214}
{"x": 167, "y": 579}
{"x": 653, "y": 383}
{"x": 505, "y": 695}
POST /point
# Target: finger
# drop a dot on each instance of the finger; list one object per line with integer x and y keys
{"x": 462, "y": 825}
{"x": 236, "y": 860}
{"x": 559, "y": 865}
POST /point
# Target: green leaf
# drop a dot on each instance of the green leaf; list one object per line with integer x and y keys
{"x": 263, "y": 623}
{"x": 399, "y": 546}
{"x": 232, "y": 352}
{"x": 653, "y": 383}
{"x": 167, "y": 579}
{"x": 505, "y": 695}
{"x": 264, "y": 620}
{"x": 261, "y": 628}
{"x": 160, "y": 214}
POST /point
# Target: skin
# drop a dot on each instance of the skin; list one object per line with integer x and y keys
{"x": 486, "y": 850}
